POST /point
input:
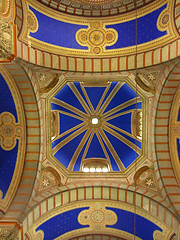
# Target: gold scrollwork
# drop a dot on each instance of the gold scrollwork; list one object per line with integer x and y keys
{"x": 157, "y": 235}
{"x": 32, "y": 24}
{"x": 96, "y": 37}
{"x": 163, "y": 20}
{"x": 9, "y": 131}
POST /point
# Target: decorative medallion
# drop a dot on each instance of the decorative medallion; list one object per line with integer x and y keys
{"x": 97, "y": 217}
{"x": 157, "y": 235}
{"x": 49, "y": 178}
{"x": 96, "y": 37}
{"x": 9, "y": 131}
{"x": 163, "y": 20}
{"x": 46, "y": 81}
{"x": 145, "y": 177}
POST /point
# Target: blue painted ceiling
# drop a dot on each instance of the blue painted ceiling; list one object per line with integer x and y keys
{"x": 7, "y": 158}
{"x": 111, "y": 139}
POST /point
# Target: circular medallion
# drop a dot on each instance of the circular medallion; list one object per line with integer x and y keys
{"x": 165, "y": 19}
{"x": 8, "y": 130}
{"x": 30, "y": 20}
{"x": 97, "y": 50}
{"x": 97, "y": 216}
{"x": 96, "y": 25}
{"x": 7, "y": 119}
{"x": 109, "y": 37}
{"x": 96, "y": 37}
{"x": 19, "y": 131}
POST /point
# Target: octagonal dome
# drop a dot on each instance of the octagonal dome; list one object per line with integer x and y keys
{"x": 96, "y": 127}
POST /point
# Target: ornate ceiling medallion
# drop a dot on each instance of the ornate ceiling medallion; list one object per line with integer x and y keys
{"x": 96, "y": 37}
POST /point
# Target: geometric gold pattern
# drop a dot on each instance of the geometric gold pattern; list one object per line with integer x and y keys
{"x": 97, "y": 217}
{"x": 96, "y": 37}
{"x": 9, "y": 131}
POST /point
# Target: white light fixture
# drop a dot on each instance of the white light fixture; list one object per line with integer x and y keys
{"x": 94, "y": 120}
{"x": 92, "y": 169}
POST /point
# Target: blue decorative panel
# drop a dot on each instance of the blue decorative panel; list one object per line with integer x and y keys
{"x": 146, "y": 30}
{"x": 6, "y": 99}
{"x": 61, "y": 224}
{"x": 144, "y": 228}
{"x": 7, "y": 158}
{"x": 56, "y": 32}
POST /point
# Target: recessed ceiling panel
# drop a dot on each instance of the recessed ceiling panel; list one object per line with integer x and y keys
{"x": 95, "y": 125}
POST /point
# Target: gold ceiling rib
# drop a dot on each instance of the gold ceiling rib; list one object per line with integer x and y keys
{"x": 121, "y": 106}
{"x": 68, "y": 139}
{"x": 78, "y": 150}
{"x": 112, "y": 150}
{"x": 119, "y": 129}
{"x": 102, "y": 98}
{"x": 69, "y": 107}
{"x": 71, "y": 130}
{"x": 110, "y": 97}
{"x": 123, "y": 139}
{"x": 118, "y": 115}
{"x": 87, "y": 98}
{"x": 80, "y": 98}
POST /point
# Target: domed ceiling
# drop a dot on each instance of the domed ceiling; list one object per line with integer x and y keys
{"x": 101, "y": 37}
{"x": 96, "y": 128}
{"x": 113, "y": 6}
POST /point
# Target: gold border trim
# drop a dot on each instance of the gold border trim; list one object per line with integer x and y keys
{"x": 159, "y": 42}
{"x": 6, "y": 201}
{"x": 31, "y": 233}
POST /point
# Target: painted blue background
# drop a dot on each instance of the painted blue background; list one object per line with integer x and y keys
{"x": 68, "y": 221}
{"x": 61, "y": 224}
{"x": 63, "y": 34}
{"x": 144, "y": 228}
{"x": 7, "y": 158}
{"x": 146, "y": 30}
{"x": 56, "y": 32}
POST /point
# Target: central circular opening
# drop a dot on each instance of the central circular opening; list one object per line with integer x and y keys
{"x": 94, "y": 120}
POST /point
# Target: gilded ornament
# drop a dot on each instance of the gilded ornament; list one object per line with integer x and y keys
{"x": 163, "y": 20}
{"x": 5, "y": 39}
{"x": 157, "y": 235}
{"x": 96, "y": 37}
{"x": 9, "y": 131}
{"x": 4, "y": 7}
{"x": 97, "y": 217}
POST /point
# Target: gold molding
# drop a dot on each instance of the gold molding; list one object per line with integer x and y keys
{"x": 101, "y": 52}
{"x": 5, "y": 202}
